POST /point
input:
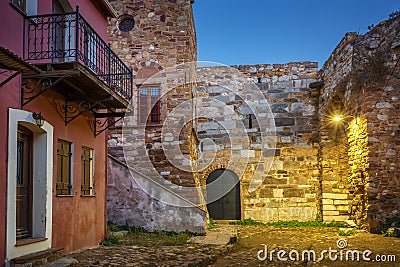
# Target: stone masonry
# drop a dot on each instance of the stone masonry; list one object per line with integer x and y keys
{"x": 361, "y": 81}
{"x": 156, "y": 158}
{"x": 278, "y": 172}
{"x": 270, "y": 124}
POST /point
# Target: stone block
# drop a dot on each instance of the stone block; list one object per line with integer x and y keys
{"x": 298, "y": 200}
{"x": 382, "y": 117}
{"x": 384, "y": 105}
{"x": 297, "y": 107}
{"x": 278, "y": 193}
{"x": 329, "y": 218}
{"x": 229, "y": 125}
{"x": 280, "y": 108}
{"x": 340, "y": 202}
{"x": 284, "y": 122}
{"x": 218, "y": 89}
{"x": 330, "y": 212}
{"x": 281, "y": 96}
{"x": 286, "y": 139}
{"x": 342, "y": 207}
{"x": 223, "y": 99}
{"x": 266, "y": 193}
{"x": 334, "y": 196}
{"x": 168, "y": 138}
{"x": 328, "y": 207}
{"x": 327, "y": 201}
{"x": 277, "y": 165}
{"x": 293, "y": 192}
{"x": 247, "y": 153}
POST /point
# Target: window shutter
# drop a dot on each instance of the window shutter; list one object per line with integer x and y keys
{"x": 63, "y": 185}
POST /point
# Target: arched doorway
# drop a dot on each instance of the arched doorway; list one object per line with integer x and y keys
{"x": 223, "y": 195}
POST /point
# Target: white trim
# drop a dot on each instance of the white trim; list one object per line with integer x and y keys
{"x": 71, "y": 170}
{"x": 42, "y": 183}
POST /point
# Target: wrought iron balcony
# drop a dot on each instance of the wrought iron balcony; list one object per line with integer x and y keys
{"x": 55, "y": 41}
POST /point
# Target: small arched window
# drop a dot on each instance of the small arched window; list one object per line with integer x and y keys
{"x": 126, "y": 23}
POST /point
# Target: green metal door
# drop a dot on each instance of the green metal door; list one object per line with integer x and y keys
{"x": 223, "y": 195}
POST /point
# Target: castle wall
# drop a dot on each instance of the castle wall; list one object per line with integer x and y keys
{"x": 160, "y": 48}
{"x": 276, "y": 157}
{"x": 271, "y": 124}
{"x": 363, "y": 73}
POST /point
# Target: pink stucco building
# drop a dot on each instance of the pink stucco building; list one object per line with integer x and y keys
{"x": 55, "y": 63}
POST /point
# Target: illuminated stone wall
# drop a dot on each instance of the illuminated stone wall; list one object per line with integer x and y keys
{"x": 363, "y": 74}
{"x": 358, "y": 155}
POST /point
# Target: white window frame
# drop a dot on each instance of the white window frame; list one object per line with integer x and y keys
{"x": 30, "y": 7}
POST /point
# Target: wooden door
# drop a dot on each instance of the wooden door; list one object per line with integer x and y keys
{"x": 223, "y": 185}
{"x": 24, "y": 183}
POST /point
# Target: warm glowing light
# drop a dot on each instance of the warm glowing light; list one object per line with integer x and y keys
{"x": 337, "y": 118}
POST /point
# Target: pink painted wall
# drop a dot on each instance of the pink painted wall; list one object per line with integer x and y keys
{"x": 11, "y": 25}
{"x": 78, "y": 222}
{"x": 93, "y": 16}
{"x": 9, "y": 98}
{"x": 86, "y": 8}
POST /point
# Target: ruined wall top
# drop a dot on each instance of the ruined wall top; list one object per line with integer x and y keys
{"x": 156, "y": 33}
{"x": 355, "y": 50}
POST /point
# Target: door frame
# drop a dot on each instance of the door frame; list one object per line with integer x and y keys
{"x": 42, "y": 147}
{"x": 238, "y": 187}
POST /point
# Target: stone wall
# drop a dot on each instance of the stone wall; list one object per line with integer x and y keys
{"x": 276, "y": 162}
{"x": 271, "y": 124}
{"x": 161, "y": 49}
{"x": 363, "y": 75}
{"x": 130, "y": 205}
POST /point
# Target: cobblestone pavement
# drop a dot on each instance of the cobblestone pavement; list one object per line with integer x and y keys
{"x": 212, "y": 251}
{"x": 253, "y": 239}
{"x": 188, "y": 255}
{"x": 200, "y": 251}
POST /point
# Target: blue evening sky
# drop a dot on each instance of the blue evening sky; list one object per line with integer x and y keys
{"x": 280, "y": 31}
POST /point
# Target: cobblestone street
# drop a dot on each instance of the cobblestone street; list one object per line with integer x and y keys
{"x": 253, "y": 239}
{"x": 213, "y": 251}
{"x": 188, "y": 255}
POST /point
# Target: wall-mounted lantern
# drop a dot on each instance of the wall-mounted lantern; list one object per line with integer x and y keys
{"x": 39, "y": 119}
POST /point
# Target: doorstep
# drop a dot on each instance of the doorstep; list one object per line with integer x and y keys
{"x": 38, "y": 258}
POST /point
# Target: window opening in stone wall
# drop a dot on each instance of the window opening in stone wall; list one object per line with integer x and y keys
{"x": 149, "y": 105}
{"x": 126, "y": 24}
{"x": 250, "y": 121}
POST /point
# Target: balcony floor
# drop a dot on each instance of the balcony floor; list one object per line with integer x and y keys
{"x": 80, "y": 84}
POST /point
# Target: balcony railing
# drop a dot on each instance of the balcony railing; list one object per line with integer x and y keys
{"x": 69, "y": 38}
